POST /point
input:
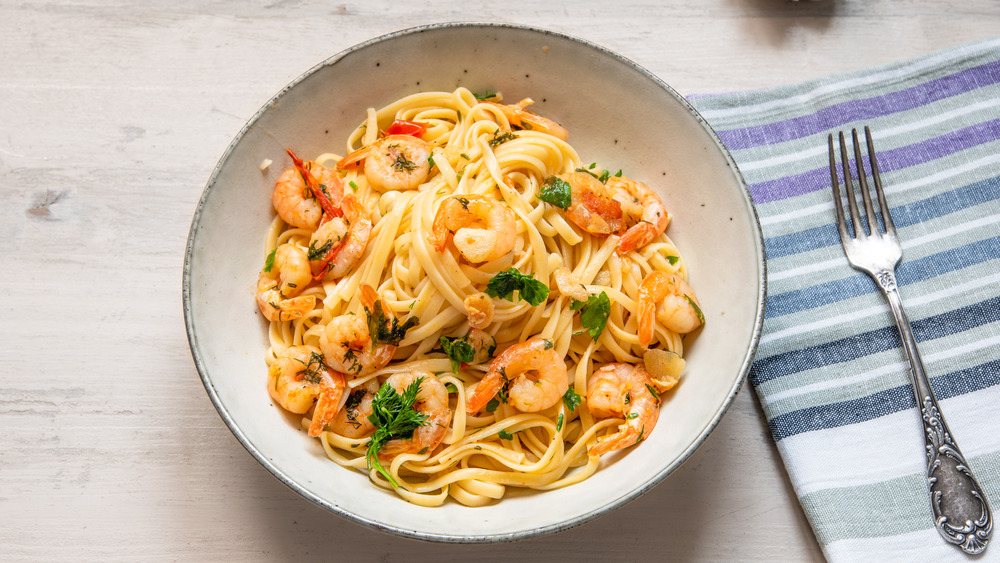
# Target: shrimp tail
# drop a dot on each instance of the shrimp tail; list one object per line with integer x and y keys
{"x": 638, "y": 236}
{"x": 319, "y": 191}
{"x": 484, "y": 391}
{"x": 328, "y": 404}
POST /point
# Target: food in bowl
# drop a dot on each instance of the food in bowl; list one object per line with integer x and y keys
{"x": 460, "y": 304}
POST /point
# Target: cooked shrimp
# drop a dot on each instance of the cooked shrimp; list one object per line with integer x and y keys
{"x": 337, "y": 245}
{"x": 592, "y": 206}
{"x": 301, "y": 191}
{"x": 396, "y": 162}
{"x": 432, "y": 400}
{"x": 298, "y": 378}
{"x": 626, "y": 391}
{"x": 278, "y": 285}
{"x": 520, "y": 117}
{"x": 531, "y": 376}
{"x": 479, "y": 308}
{"x": 669, "y": 299}
{"x": 641, "y": 204}
{"x": 348, "y": 343}
{"x": 621, "y": 206}
{"x": 482, "y": 229}
{"x": 352, "y": 420}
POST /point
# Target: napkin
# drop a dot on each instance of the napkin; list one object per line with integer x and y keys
{"x": 830, "y": 373}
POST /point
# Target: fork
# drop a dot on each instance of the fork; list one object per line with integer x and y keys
{"x": 961, "y": 512}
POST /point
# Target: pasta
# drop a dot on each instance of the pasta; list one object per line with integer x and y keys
{"x": 459, "y": 304}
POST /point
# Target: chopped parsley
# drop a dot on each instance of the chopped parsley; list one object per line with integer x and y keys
{"x": 697, "y": 309}
{"x": 557, "y": 192}
{"x": 353, "y": 185}
{"x": 673, "y": 260}
{"x": 559, "y": 423}
{"x": 403, "y": 164}
{"x": 505, "y": 435}
{"x": 458, "y": 350}
{"x": 505, "y": 283}
{"x": 572, "y": 399}
{"x": 394, "y": 417}
{"x": 500, "y": 137}
{"x": 269, "y": 261}
{"x": 485, "y": 95}
{"x": 594, "y": 313}
{"x": 318, "y": 253}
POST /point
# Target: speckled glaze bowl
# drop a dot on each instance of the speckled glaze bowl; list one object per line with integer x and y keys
{"x": 617, "y": 113}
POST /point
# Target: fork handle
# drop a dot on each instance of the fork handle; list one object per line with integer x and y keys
{"x": 961, "y": 513}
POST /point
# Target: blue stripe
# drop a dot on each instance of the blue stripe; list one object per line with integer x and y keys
{"x": 880, "y": 404}
{"x": 971, "y": 195}
{"x": 873, "y": 342}
{"x": 860, "y": 284}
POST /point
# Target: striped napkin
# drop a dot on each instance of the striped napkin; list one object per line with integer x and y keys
{"x": 830, "y": 372}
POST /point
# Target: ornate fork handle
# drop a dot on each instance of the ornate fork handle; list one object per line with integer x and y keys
{"x": 961, "y": 513}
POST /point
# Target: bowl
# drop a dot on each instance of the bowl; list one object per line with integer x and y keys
{"x": 616, "y": 111}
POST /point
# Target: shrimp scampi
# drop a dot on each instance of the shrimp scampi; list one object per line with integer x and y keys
{"x": 348, "y": 342}
{"x": 431, "y": 401}
{"x": 667, "y": 298}
{"x": 284, "y": 276}
{"x": 299, "y": 378}
{"x": 395, "y": 162}
{"x": 625, "y": 391}
{"x": 531, "y": 376}
{"x": 481, "y": 229}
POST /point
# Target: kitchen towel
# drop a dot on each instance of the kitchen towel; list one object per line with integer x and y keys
{"x": 830, "y": 372}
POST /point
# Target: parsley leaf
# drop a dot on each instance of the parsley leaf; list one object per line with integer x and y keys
{"x": 499, "y": 138}
{"x": 393, "y": 417}
{"x": 506, "y": 282}
{"x": 505, "y": 435}
{"x": 269, "y": 261}
{"x": 697, "y": 309}
{"x": 572, "y": 399}
{"x": 594, "y": 313}
{"x": 458, "y": 350}
{"x": 557, "y": 192}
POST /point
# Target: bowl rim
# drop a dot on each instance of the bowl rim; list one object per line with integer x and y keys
{"x": 448, "y": 537}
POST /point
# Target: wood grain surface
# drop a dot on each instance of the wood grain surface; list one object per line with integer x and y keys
{"x": 112, "y": 117}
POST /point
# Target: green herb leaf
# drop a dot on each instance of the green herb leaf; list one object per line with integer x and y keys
{"x": 269, "y": 261}
{"x": 393, "y": 417}
{"x": 458, "y": 350}
{"x": 559, "y": 422}
{"x": 353, "y": 185}
{"x": 697, "y": 309}
{"x": 505, "y": 283}
{"x": 318, "y": 253}
{"x": 386, "y": 329}
{"x": 492, "y": 405}
{"x": 500, "y": 137}
{"x": 505, "y": 435}
{"x": 484, "y": 95}
{"x": 673, "y": 260}
{"x": 572, "y": 399}
{"x": 557, "y": 192}
{"x": 593, "y": 313}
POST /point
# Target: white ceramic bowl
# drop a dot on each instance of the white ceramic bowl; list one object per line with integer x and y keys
{"x": 618, "y": 114}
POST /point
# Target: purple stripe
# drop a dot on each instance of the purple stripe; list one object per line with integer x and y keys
{"x": 894, "y": 159}
{"x": 862, "y": 109}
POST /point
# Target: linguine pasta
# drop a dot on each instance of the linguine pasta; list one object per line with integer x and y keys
{"x": 501, "y": 157}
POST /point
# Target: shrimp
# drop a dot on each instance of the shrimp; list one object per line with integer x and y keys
{"x": 283, "y": 279}
{"x": 395, "y": 162}
{"x": 639, "y": 201}
{"x": 305, "y": 192}
{"x": 337, "y": 245}
{"x": 298, "y": 378}
{"x": 531, "y": 376}
{"x": 432, "y": 400}
{"x": 350, "y": 347}
{"x": 352, "y": 420}
{"x": 482, "y": 229}
{"x": 669, "y": 299}
{"x": 592, "y": 205}
{"x": 621, "y": 206}
{"x": 520, "y": 117}
{"x": 626, "y": 391}
{"x": 479, "y": 308}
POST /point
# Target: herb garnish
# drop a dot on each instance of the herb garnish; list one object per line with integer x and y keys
{"x": 500, "y": 138}
{"x": 318, "y": 253}
{"x": 386, "y": 329}
{"x": 697, "y": 309}
{"x": 506, "y": 282}
{"x": 393, "y": 417}
{"x": 505, "y": 435}
{"x": 572, "y": 399}
{"x": 593, "y": 313}
{"x": 269, "y": 261}
{"x": 557, "y": 192}
{"x": 403, "y": 164}
{"x": 458, "y": 350}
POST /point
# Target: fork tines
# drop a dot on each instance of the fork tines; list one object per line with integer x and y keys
{"x": 872, "y": 220}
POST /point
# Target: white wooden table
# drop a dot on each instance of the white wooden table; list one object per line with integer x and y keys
{"x": 112, "y": 116}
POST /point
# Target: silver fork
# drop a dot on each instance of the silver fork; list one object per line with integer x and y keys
{"x": 961, "y": 512}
